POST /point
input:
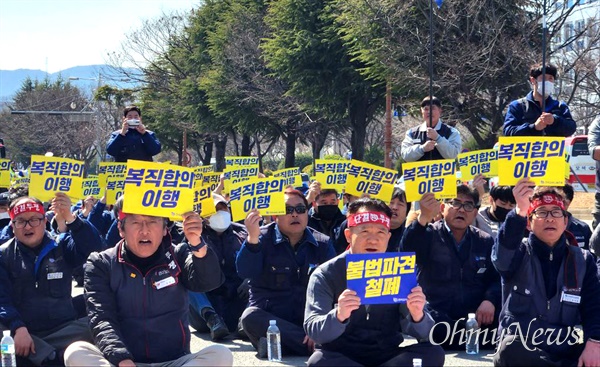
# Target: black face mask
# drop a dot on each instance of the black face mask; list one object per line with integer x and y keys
{"x": 500, "y": 213}
{"x": 327, "y": 212}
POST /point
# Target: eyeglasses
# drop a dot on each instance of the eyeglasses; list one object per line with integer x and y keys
{"x": 33, "y": 222}
{"x": 468, "y": 206}
{"x": 556, "y": 213}
{"x": 300, "y": 209}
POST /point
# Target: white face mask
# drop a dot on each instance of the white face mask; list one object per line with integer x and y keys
{"x": 4, "y": 215}
{"x": 220, "y": 221}
{"x": 548, "y": 88}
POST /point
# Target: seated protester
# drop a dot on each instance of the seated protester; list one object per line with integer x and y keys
{"x": 550, "y": 285}
{"x": 100, "y": 216}
{"x": 400, "y": 209}
{"x": 577, "y": 227}
{"x": 278, "y": 259}
{"x": 491, "y": 217}
{"x": 340, "y": 244}
{"x": 219, "y": 310}
{"x": 4, "y": 215}
{"x": 349, "y": 334}
{"x": 137, "y": 297}
{"x": 35, "y": 280}
{"x": 455, "y": 268}
{"x": 327, "y": 216}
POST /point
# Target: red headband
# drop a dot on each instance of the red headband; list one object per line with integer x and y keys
{"x": 122, "y": 215}
{"x": 546, "y": 199}
{"x": 27, "y": 207}
{"x": 368, "y": 217}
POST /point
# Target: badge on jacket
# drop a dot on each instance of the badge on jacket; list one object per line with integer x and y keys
{"x": 57, "y": 275}
{"x": 164, "y": 283}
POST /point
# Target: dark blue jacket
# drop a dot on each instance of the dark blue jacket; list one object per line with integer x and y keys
{"x": 35, "y": 288}
{"x": 455, "y": 282}
{"x": 279, "y": 273}
{"x": 522, "y": 114}
{"x": 133, "y": 318}
{"x": 315, "y": 222}
{"x": 580, "y": 230}
{"x": 226, "y": 246}
{"x": 133, "y": 146}
{"x": 100, "y": 217}
{"x": 534, "y": 277}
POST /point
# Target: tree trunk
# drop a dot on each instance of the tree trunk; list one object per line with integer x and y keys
{"x": 220, "y": 145}
{"x": 318, "y": 141}
{"x": 180, "y": 151}
{"x": 290, "y": 146}
{"x": 359, "y": 123}
{"x": 208, "y": 151}
{"x": 236, "y": 146}
{"x": 246, "y": 151}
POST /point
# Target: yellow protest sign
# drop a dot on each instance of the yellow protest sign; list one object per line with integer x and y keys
{"x": 19, "y": 181}
{"x": 234, "y": 174}
{"x": 437, "y": 177}
{"x": 5, "y": 173}
{"x": 110, "y": 169}
{"x": 158, "y": 190}
{"x": 331, "y": 174}
{"x": 240, "y": 161}
{"x": 542, "y": 159}
{"x": 90, "y": 187}
{"x": 200, "y": 170}
{"x": 48, "y": 175}
{"x": 290, "y": 172}
{"x": 484, "y": 162}
{"x": 365, "y": 178}
{"x": 115, "y": 186}
{"x": 264, "y": 194}
{"x": 211, "y": 178}
{"x": 203, "y": 201}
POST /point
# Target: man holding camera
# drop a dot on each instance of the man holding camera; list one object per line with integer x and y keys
{"x": 133, "y": 141}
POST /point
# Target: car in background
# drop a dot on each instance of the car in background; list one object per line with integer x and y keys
{"x": 583, "y": 166}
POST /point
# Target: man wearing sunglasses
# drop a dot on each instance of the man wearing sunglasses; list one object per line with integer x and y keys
{"x": 550, "y": 285}
{"x": 35, "y": 280}
{"x": 455, "y": 268}
{"x": 278, "y": 259}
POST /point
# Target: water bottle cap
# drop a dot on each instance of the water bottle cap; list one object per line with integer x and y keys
{"x": 6, "y": 332}
{"x": 471, "y": 315}
{"x": 272, "y": 322}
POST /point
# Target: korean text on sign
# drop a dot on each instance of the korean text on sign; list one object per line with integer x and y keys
{"x": 211, "y": 178}
{"x": 381, "y": 278}
{"x": 200, "y": 170}
{"x": 158, "y": 189}
{"x": 290, "y": 172}
{"x": 364, "y": 178}
{"x": 48, "y": 175}
{"x": 542, "y": 159}
{"x": 437, "y": 177}
{"x": 90, "y": 187}
{"x": 331, "y": 174}
{"x": 236, "y": 174}
{"x": 240, "y": 161}
{"x": 5, "y": 173}
{"x": 110, "y": 169}
{"x": 115, "y": 186}
{"x": 480, "y": 162}
{"x": 264, "y": 194}
{"x": 203, "y": 201}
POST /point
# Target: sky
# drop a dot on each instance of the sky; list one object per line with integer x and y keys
{"x": 53, "y": 35}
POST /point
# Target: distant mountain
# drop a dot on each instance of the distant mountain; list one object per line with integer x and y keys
{"x": 11, "y": 80}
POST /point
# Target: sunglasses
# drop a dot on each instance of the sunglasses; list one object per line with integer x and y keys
{"x": 300, "y": 209}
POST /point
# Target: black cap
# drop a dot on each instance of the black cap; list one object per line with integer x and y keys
{"x": 4, "y": 198}
{"x": 434, "y": 101}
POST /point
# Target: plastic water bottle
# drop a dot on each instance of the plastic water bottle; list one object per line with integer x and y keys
{"x": 273, "y": 342}
{"x": 472, "y": 334}
{"x": 8, "y": 350}
{"x": 417, "y": 362}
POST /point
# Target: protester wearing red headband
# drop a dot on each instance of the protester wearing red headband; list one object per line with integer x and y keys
{"x": 36, "y": 279}
{"x": 550, "y": 285}
{"x": 350, "y": 334}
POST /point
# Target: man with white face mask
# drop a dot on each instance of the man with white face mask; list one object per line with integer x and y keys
{"x": 218, "y": 311}
{"x": 525, "y": 116}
